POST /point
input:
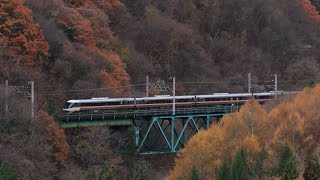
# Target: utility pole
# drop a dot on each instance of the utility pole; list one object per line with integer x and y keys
{"x": 147, "y": 86}
{"x": 174, "y": 95}
{"x": 6, "y": 98}
{"x": 276, "y": 84}
{"x": 32, "y": 99}
{"x": 249, "y": 82}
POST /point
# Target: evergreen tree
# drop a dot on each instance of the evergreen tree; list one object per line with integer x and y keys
{"x": 131, "y": 148}
{"x": 7, "y": 172}
{"x": 258, "y": 168}
{"x": 193, "y": 174}
{"x": 312, "y": 171}
{"x": 224, "y": 171}
{"x": 50, "y": 108}
{"x": 239, "y": 169}
{"x": 106, "y": 172}
{"x": 287, "y": 166}
{"x": 311, "y": 82}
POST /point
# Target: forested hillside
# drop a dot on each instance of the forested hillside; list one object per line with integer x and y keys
{"x": 108, "y": 46}
{"x": 88, "y": 43}
{"x": 254, "y": 143}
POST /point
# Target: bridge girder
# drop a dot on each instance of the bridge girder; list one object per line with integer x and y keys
{"x": 175, "y": 131}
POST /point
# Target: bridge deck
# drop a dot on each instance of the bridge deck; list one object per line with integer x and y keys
{"x": 122, "y": 118}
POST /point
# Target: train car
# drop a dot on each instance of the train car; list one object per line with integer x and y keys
{"x": 164, "y": 101}
{"x": 98, "y": 103}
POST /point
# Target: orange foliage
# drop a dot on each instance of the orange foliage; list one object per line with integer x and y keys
{"x": 251, "y": 120}
{"x": 20, "y": 35}
{"x": 89, "y": 26}
{"x": 297, "y": 122}
{"x": 294, "y": 123}
{"x": 56, "y": 135}
{"x": 252, "y": 145}
{"x": 77, "y": 28}
{"x": 110, "y": 7}
{"x": 203, "y": 151}
{"x": 118, "y": 77}
{"x": 77, "y": 3}
{"x": 99, "y": 22}
{"x": 310, "y": 9}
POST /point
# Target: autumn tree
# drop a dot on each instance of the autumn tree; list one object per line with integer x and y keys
{"x": 14, "y": 113}
{"x": 22, "y": 37}
{"x": 310, "y": 9}
{"x": 90, "y": 146}
{"x": 56, "y": 136}
{"x": 248, "y": 127}
{"x": 203, "y": 152}
{"x": 76, "y": 27}
{"x": 292, "y": 123}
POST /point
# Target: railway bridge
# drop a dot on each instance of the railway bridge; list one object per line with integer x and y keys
{"x": 161, "y": 129}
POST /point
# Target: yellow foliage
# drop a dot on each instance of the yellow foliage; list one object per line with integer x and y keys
{"x": 251, "y": 144}
{"x": 250, "y": 120}
{"x": 295, "y": 123}
{"x": 203, "y": 151}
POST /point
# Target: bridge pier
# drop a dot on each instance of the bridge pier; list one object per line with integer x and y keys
{"x": 168, "y": 134}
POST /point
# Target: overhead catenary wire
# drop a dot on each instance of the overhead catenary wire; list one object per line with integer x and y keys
{"x": 243, "y": 81}
{"x": 93, "y": 89}
{"x": 181, "y": 82}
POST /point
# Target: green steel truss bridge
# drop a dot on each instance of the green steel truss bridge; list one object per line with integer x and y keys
{"x": 159, "y": 128}
{"x": 156, "y": 131}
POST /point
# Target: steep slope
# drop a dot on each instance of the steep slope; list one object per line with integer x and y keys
{"x": 316, "y": 4}
{"x": 312, "y": 8}
{"x": 82, "y": 29}
{"x": 221, "y": 40}
{"x": 100, "y": 47}
{"x": 21, "y": 38}
{"x": 81, "y": 51}
{"x": 103, "y": 44}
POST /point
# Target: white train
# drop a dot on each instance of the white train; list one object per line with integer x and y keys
{"x": 165, "y": 101}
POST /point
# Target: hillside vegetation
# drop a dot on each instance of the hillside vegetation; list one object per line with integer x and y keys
{"x": 257, "y": 144}
{"x": 89, "y": 43}
{"x": 103, "y": 48}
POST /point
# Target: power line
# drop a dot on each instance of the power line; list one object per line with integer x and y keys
{"x": 244, "y": 81}
{"x": 217, "y": 82}
{"x": 183, "y": 82}
{"x": 95, "y": 89}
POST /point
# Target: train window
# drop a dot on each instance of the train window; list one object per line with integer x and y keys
{"x": 67, "y": 105}
{"x": 77, "y": 104}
